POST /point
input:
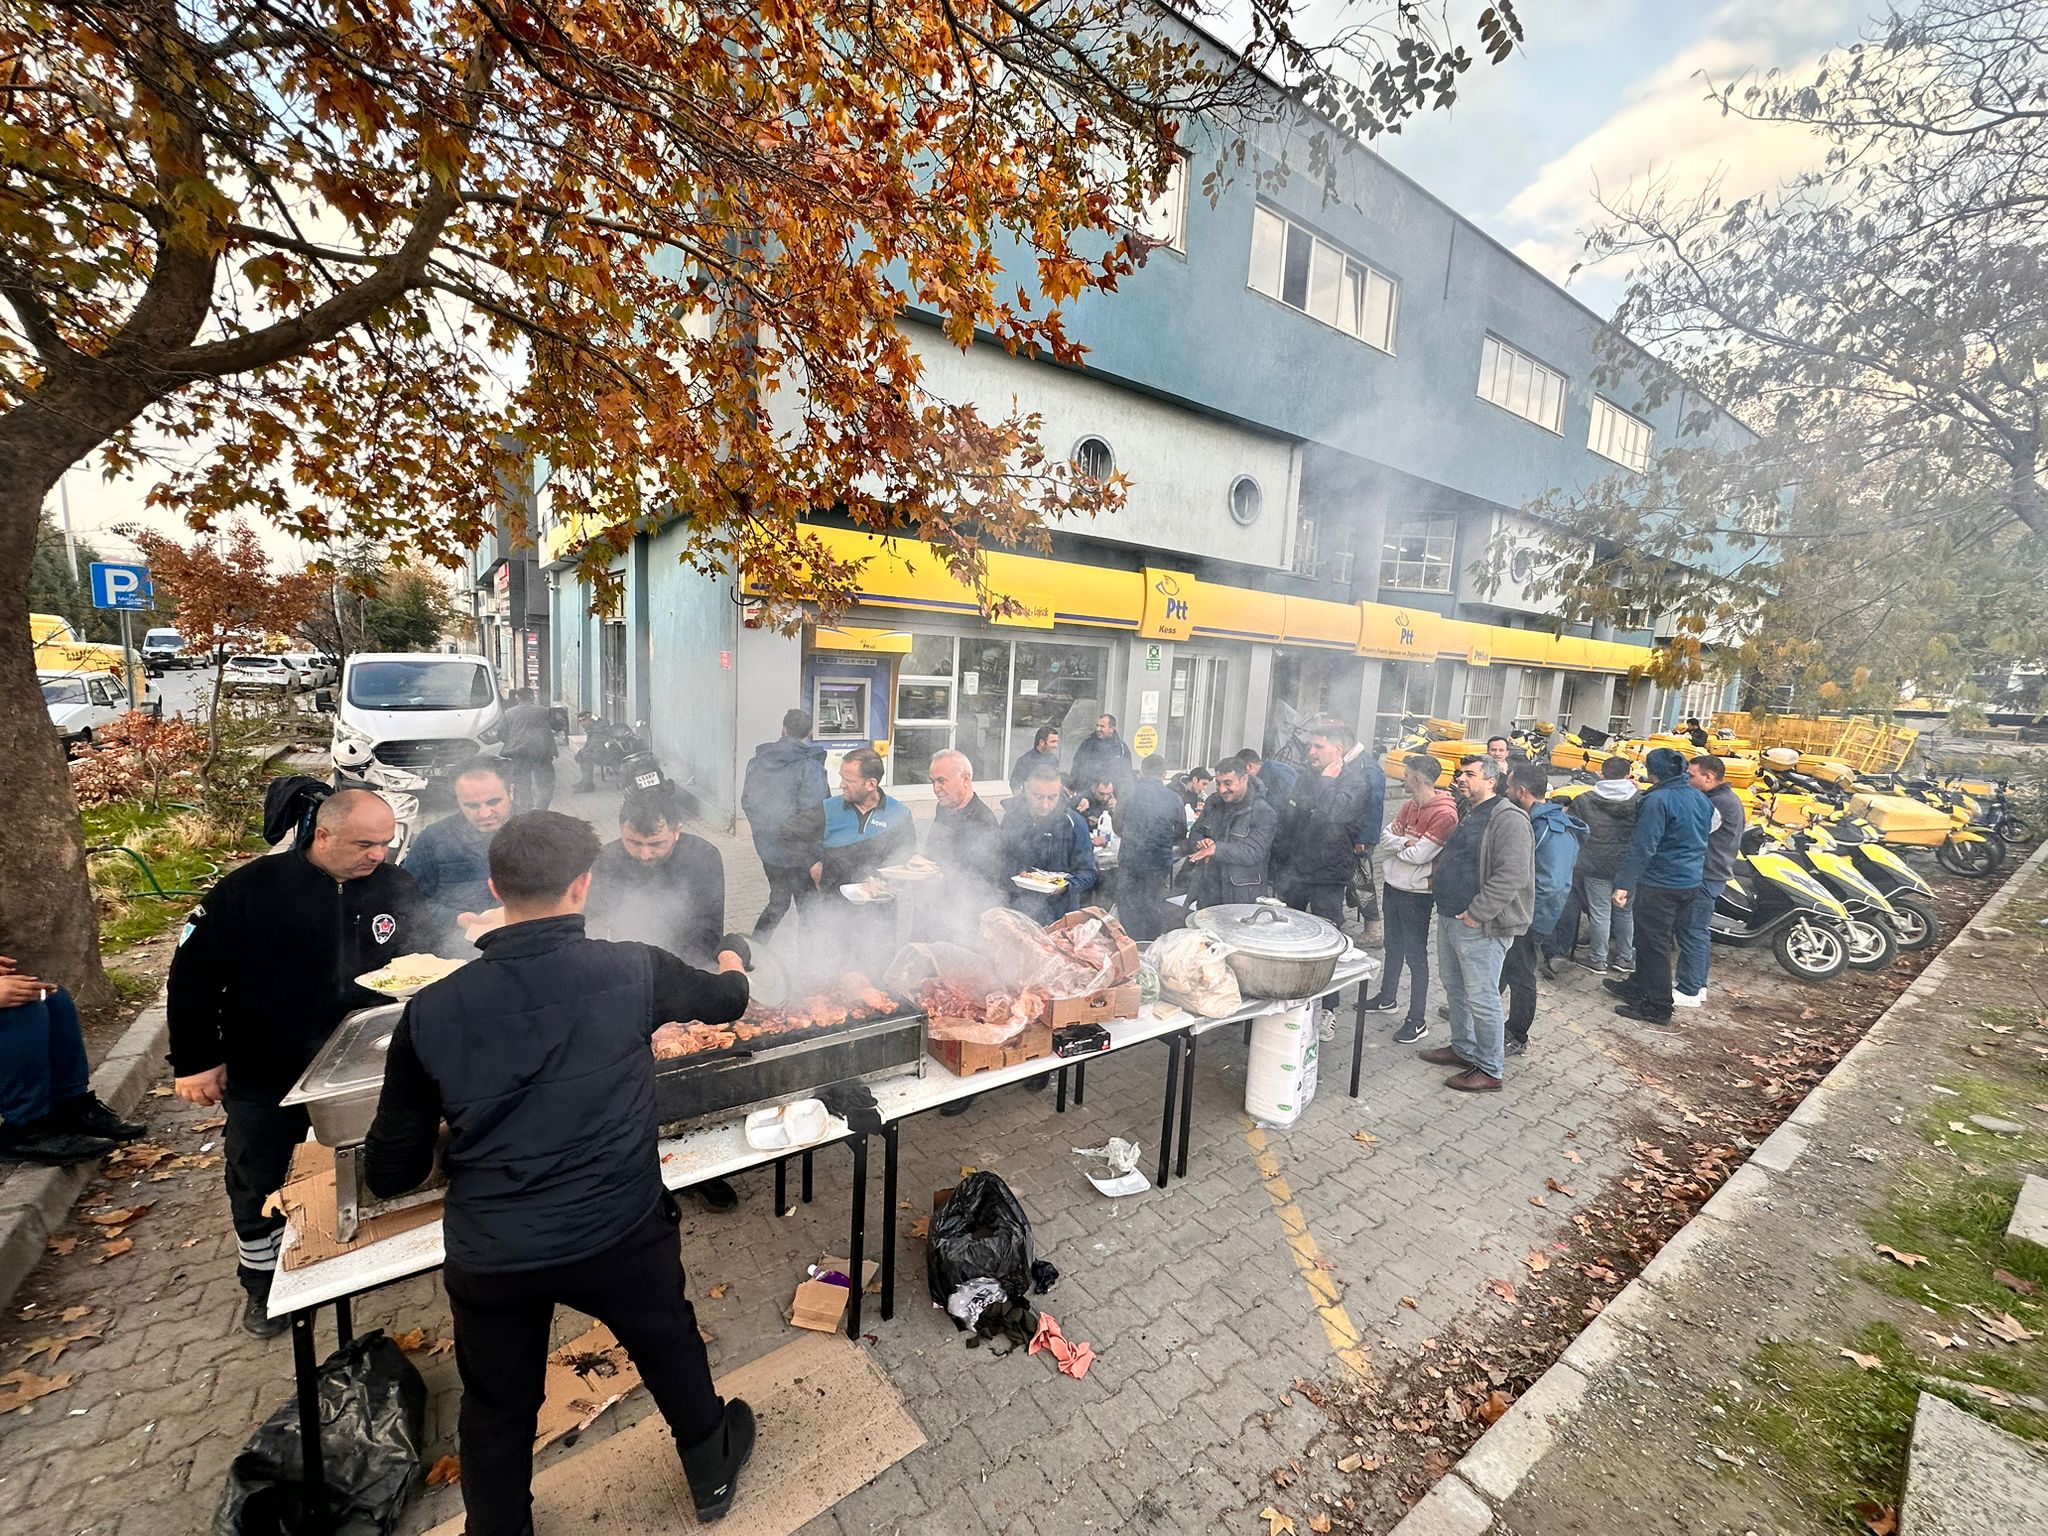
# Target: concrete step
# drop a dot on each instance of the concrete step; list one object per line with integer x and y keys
{"x": 1969, "y": 1478}
{"x": 2030, "y": 1213}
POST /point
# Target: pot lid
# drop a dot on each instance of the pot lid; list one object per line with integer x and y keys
{"x": 1266, "y": 927}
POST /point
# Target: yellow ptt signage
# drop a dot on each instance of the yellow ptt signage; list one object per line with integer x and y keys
{"x": 1169, "y": 606}
{"x": 1395, "y": 633}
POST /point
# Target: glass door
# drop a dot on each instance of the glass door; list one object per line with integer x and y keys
{"x": 1192, "y": 733}
{"x": 925, "y": 694}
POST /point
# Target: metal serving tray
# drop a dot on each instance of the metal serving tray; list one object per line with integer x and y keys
{"x": 340, "y": 1086}
{"x": 697, "y": 1088}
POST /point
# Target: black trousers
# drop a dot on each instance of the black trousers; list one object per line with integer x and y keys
{"x": 256, "y": 1154}
{"x": 1658, "y": 909}
{"x": 1407, "y": 916}
{"x": 502, "y": 1319}
{"x": 1324, "y": 899}
{"x": 788, "y": 885}
{"x": 1518, "y": 980}
{"x": 1141, "y": 903}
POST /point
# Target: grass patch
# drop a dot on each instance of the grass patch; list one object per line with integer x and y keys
{"x": 1961, "y": 1230}
{"x": 1967, "y": 1096}
{"x": 184, "y": 851}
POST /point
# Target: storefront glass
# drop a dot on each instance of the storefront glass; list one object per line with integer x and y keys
{"x": 987, "y": 696}
{"x": 1057, "y": 684}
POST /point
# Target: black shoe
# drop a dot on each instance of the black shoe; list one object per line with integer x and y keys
{"x": 957, "y": 1107}
{"x": 716, "y": 1195}
{"x": 712, "y": 1466}
{"x": 1037, "y": 1084}
{"x": 257, "y": 1321}
{"x": 1380, "y": 1005}
{"x": 45, "y": 1141}
{"x": 1513, "y": 1047}
{"x": 1621, "y": 986}
{"x": 1548, "y": 965}
{"x": 88, "y": 1116}
{"x": 1643, "y": 1015}
{"x": 1412, "y": 1031}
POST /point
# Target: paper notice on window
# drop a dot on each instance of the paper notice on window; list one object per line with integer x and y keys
{"x": 970, "y": 683}
{"x": 1148, "y": 707}
{"x": 1027, "y": 688}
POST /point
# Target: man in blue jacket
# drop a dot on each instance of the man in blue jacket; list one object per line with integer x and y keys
{"x": 1040, "y": 832}
{"x": 1153, "y": 823}
{"x": 451, "y": 858}
{"x": 1660, "y": 876}
{"x": 783, "y": 800}
{"x": 1557, "y": 835}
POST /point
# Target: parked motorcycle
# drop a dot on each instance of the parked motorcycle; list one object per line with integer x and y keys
{"x": 1916, "y": 920}
{"x": 1771, "y": 899}
{"x": 1872, "y": 921}
{"x": 639, "y": 768}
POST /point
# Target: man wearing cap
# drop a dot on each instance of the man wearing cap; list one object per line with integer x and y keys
{"x": 1660, "y": 876}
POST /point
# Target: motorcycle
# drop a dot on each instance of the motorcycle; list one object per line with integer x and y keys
{"x": 1916, "y": 920}
{"x": 639, "y": 768}
{"x": 1772, "y": 899}
{"x": 1872, "y": 921}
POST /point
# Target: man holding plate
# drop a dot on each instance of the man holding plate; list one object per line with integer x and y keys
{"x": 264, "y": 970}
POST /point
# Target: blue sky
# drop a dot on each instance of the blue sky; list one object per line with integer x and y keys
{"x": 1607, "y": 93}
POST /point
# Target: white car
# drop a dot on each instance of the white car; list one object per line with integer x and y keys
{"x": 312, "y": 668}
{"x": 422, "y": 711}
{"x": 257, "y": 673}
{"x": 163, "y": 649}
{"x": 80, "y": 703}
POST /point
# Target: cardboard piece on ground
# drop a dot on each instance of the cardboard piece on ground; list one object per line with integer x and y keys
{"x": 585, "y": 1377}
{"x": 820, "y": 1305}
{"x": 307, "y": 1204}
{"x": 830, "y": 1423}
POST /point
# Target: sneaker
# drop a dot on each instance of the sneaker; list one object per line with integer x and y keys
{"x": 1327, "y": 1031}
{"x": 1688, "y": 999}
{"x": 89, "y": 1116}
{"x": 1410, "y": 1032}
{"x": 257, "y": 1321}
{"x": 1381, "y": 1005}
{"x": 1597, "y": 967}
{"x": 1620, "y": 986}
{"x": 1513, "y": 1047}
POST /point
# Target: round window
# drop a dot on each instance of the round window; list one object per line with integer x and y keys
{"x": 1523, "y": 564}
{"x": 1246, "y": 500}
{"x": 1093, "y": 457}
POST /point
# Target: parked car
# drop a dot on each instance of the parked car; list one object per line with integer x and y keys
{"x": 417, "y": 710}
{"x": 247, "y": 673}
{"x": 81, "y": 703}
{"x": 163, "y": 649}
{"x": 311, "y": 669}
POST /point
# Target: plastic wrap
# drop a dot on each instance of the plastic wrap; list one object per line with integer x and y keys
{"x": 1194, "y": 971}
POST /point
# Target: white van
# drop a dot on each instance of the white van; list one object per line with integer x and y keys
{"x": 418, "y": 710}
{"x": 80, "y": 703}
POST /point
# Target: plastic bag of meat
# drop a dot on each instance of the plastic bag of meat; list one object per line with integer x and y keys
{"x": 1194, "y": 971}
{"x": 1027, "y": 955}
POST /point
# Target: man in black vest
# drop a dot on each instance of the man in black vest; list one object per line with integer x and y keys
{"x": 537, "y": 1055}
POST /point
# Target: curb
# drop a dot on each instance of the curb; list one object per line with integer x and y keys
{"x": 1464, "y": 1501}
{"x": 38, "y": 1201}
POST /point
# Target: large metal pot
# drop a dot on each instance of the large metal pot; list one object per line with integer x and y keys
{"x": 1275, "y": 951}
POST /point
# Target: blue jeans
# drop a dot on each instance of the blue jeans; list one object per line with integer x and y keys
{"x": 1605, "y": 918}
{"x": 42, "y": 1058}
{"x": 1471, "y": 964}
{"x": 1694, "y": 944}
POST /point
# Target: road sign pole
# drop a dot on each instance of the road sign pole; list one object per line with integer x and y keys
{"x": 128, "y": 658}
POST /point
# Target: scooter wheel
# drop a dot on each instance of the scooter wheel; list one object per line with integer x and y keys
{"x": 1811, "y": 951}
{"x": 1977, "y": 860}
{"x": 1919, "y": 923}
{"x": 1871, "y": 944}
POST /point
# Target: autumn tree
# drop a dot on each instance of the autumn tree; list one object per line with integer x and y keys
{"x": 379, "y": 600}
{"x": 362, "y": 253}
{"x": 1881, "y": 323}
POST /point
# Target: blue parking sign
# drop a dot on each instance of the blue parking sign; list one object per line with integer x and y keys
{"x": 121, "y": 586}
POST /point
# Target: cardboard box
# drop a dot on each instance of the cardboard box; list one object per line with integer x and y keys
{"x": 307, "y": 1204}
{"x": 1120, "y": 1002}
{"x": 964, "y": 1058}
{"x": 820, "y": 1305}
{"x": 1128, "y": 956}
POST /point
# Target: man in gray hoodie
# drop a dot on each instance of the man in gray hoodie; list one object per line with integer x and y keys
{"x": 1485, "y": 888}
{"x": 1609, "y": 811}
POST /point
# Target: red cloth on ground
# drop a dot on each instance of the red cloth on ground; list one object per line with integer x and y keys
{"x": 1072, "y": 1358}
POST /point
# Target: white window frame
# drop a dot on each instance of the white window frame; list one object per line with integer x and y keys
{"x": 1529, "y": 697}
{"x": 1521, "y": 386}
{"x": 1620, "y": 435}
{"x": 1346, "y": 281}
{"x": 1481, "y": 687}
{"x": 1398, "y": 573}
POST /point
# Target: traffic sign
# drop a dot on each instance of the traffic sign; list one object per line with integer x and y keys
{"x": 121, "y": 586}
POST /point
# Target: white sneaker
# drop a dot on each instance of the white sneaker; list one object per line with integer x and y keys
{"x": 1688, "y": 999}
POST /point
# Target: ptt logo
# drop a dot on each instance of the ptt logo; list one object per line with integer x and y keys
{"x": 1407, "y": 628}
{"x": 1176, "y": 605}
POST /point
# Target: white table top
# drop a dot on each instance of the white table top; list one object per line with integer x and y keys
{"x": 715, "y": 1152}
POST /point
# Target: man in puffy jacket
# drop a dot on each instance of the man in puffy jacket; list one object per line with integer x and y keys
{"x": 1315, "y": 850}
{"x": 1103, "y": 757}
{"x": 783, "y": 800}
{"x": 537, "y": 1056}
{"x": 1041, "y": 832}
{"x": 1556, "y": 837}
{"x": 1659, "y": 878}
{"x": 1272, "y": 778}
{"x": 1609, "y": 811}
{"x": 1231, "y": 842}
{"x": 1709, "y": 775}
{"x": 450, "y": 858}
{"x": 1153, "y": 822}
{"x": 1485, "y": 891}
{"x": 1411, "y": 847}
{"x": 966, "y": 844}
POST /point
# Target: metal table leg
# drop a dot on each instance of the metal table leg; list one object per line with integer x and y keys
{"x": 806, "y": 1184}
{"x": 306, "y": 1369}
{"x": 1173, "y": 1055}
{"x": 1357, "y": 1039}
{"x": 781, "y": 1186}
{"x": 889, "y": 1220}
{"x": 1187, "y": 1103}
{"x": 1059, "y": 1103}
{"x": 1080, "y": 1082}
{"x": 859, "y": 1231}
{"x": 344, "y": 1323}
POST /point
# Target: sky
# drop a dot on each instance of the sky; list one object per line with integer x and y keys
{"x": 1602, "y": 94}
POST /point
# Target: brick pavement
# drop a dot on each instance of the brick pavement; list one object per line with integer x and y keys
{"x": 1190, "y": 1295}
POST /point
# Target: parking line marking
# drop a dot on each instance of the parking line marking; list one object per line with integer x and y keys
{"x": 1346, "y": 1342}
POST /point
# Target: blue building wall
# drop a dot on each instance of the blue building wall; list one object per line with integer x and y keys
{"x": 688, "y": 624}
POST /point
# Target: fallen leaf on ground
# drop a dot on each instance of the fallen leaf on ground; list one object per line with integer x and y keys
{"x": 1537, "y": 1261}
{"x": 1495, "y": 1405}
{"x": 1504, "y": 1290}
{"x": 1408, "y": 1301}
{"x": 921, "y": 1228}
{"x": 1366, "y": 1138}
{"x": 718, "y": 1291}
{"x": 1910, "y": 1260}
{"x": 211, "y": 1125}
{"x": 1560, "y": 1189}
{"x": 1277, "y": 1524}
{"x": 1948, "y": 1341}
{"x": 446, "y": 1470}
{"x": 411, "y": 1341}
{"x": 1990, "y": 1394}
{"x": 1721, "y": 1455}
{"x": 72, "y": 1314}
{"x": 441, "y": 1346}
{"x": 1319, "y": 1523}
{"x": 119, "y": 1218}
{"x": 2010, "y": 1329}
{"x": 61, "y": 1245}
{"x": 18, "y": 1387}
{"x": 2013, "y": 1282}
{"x": 54, "y": 1345}
{"x": 113, "y": 1250}
{"x": 1351, "y": 1463}
{"x": 1539, "y": 1200}
{"x": 1868, "y": 1362}
{"x": 1568, "y": 1152}
{"x": 1282, "y": 1477}
{"x": 1878, "y": 1519}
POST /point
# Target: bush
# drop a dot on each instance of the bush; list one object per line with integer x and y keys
{"x": 139, "y": 757}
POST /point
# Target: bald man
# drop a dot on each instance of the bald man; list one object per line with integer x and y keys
{"x": 264, "y": 970}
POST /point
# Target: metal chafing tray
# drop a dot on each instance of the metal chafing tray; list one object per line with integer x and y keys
{"x": 700, "y": 1087}
{"x": 339, "y": 1090}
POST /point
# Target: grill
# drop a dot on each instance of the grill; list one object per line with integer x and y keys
{"x": 436, "y": 756}
{"x": 698, "y": 1087}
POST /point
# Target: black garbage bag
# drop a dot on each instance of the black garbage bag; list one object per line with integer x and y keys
{"x": 373, "y": 1415}
{"x": 980, "y": 1233}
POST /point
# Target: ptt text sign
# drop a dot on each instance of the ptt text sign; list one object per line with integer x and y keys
{"x": 121, "y": 586}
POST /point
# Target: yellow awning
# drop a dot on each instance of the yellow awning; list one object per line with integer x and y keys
{"x": 880, "y": 642}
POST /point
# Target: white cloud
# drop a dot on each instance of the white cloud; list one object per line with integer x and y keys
{"x": 1667, "y": 126}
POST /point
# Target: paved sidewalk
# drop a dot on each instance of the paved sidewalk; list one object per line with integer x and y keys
{"x": 1357, "y": 1239}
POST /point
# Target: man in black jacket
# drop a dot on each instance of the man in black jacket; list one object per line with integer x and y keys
{"x": 1231, "y": 842}
{"x": 1041, "y": 832}
{"x": 263, "y": 972}
{"x": 784, "y": 803}
{"x": 1045, "y": 749}
{"x": 659, "y": 884}
{"x": 537, "y": 1056}
{"x": 966, "y": 845}
{"x": 1314, "y": 853}
{"x": 1103, "y": 757}
{"x": 528, "y": 734}
{"x": 1152, "y": 826}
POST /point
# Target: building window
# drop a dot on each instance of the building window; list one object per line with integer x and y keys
{"x": 1418, "y": 554}
{"x": 1305, "y": 272}
{"x": 1529, "y": 701}
{"x": 984, "y": 696}
{"x": 1479, "y": 701}
{"x": 1516, "y": 382}
{"x": 1093, "y": 457}
{"x": 1405, "y": 689}
{"x": 1246, "y": 500}
{"x": 1304, "y": 545}
{"x": 1619, "y": 436}
{"x": 1621, "y": 713}
{"x": 925, "y": 692}
{"x": 1162, "y": 219}
{"x": 1568, "y": 702}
